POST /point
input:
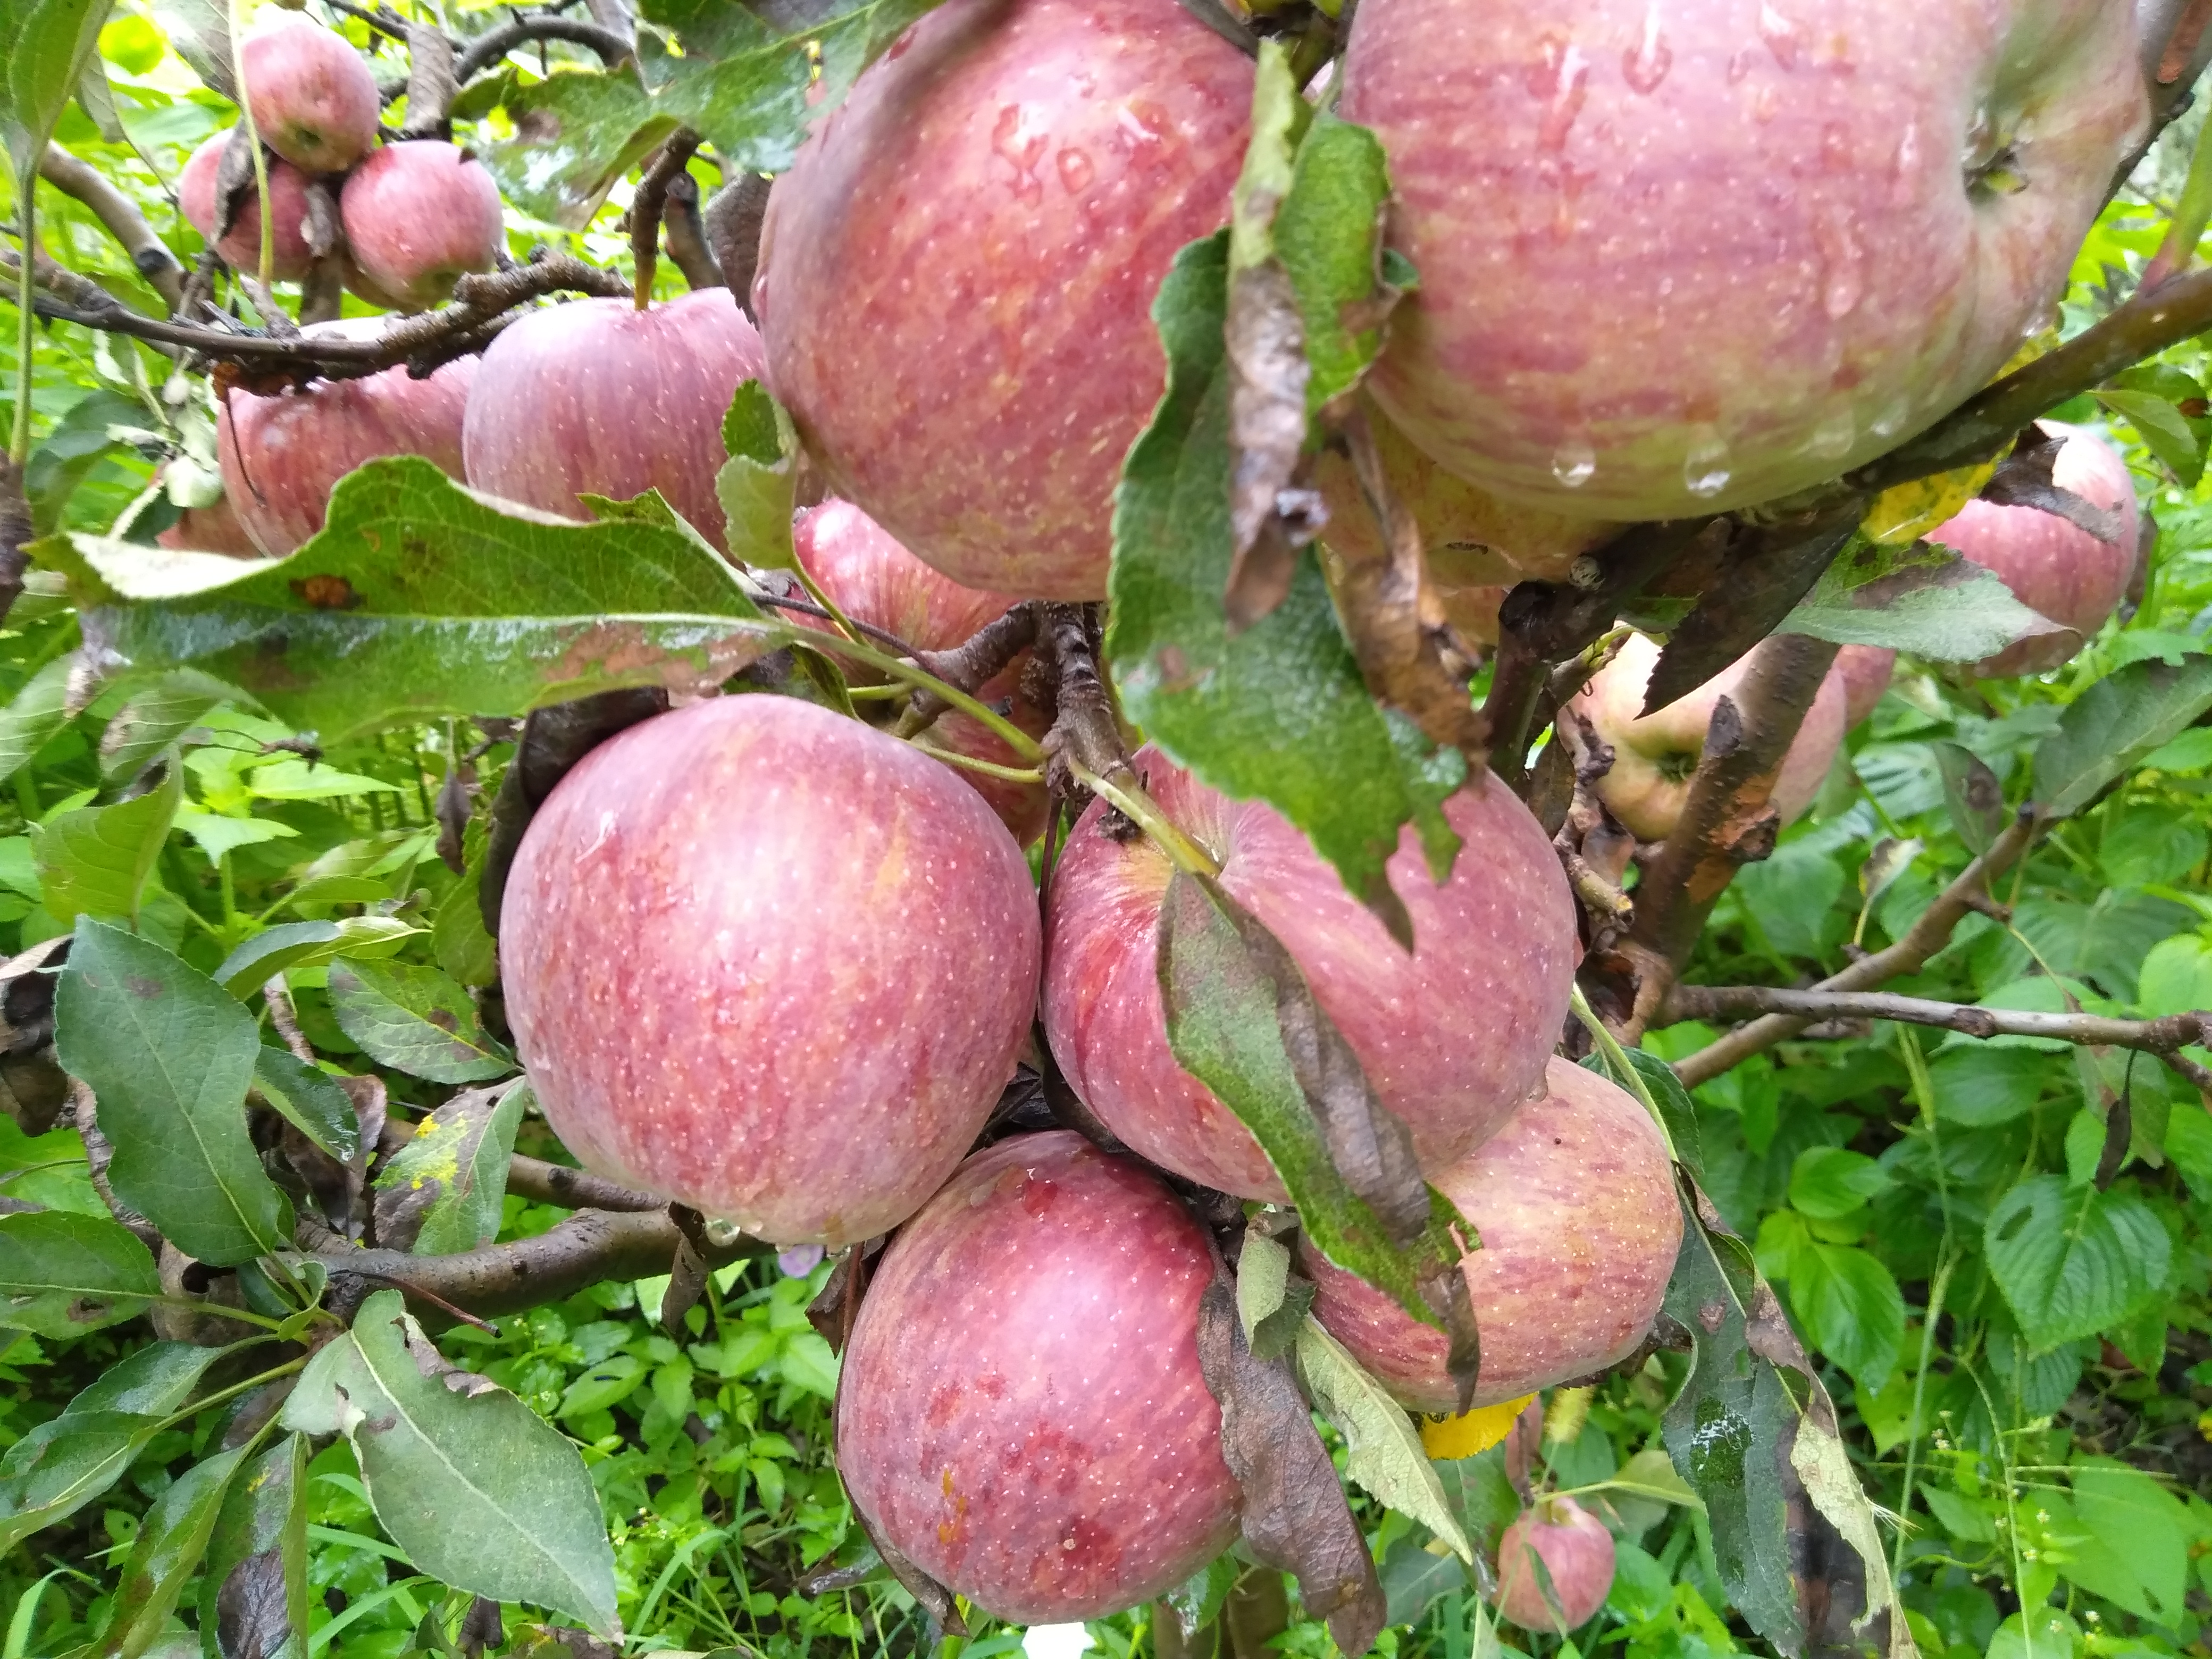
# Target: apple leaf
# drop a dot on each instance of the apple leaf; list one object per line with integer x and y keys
{"x": 1279, "y": 711}
{"x": 61, "y": 1275}
{"x": 754, "y": 485}
{"x": 96, "y": 861}
{"x": 1329, "y": 234}
{"x": 2104, "y": 733}
{"x": 1920, "y": 597}
{"x": 575, "y": 135}
{"x": 295, "y": 944}
{"x": 165, "y": 1554}
{"x": 39, "y": 710}
{"x": 310, "y": 1100}
{"x": 439, "y": 1194}
{"x": 415, "y": 1020}
{"x": 47, "y": 48}
{"x": 253, "y": 1594}
{"x": 157, "y": 714}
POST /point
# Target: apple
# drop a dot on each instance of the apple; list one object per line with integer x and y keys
{"x": 957, "y": 276}
{"x": 1577, "y": 1553}
{"x": 1865, "y": 671}
{"x": 1453, "y": 1037}
{"x": 1676, "y": 260}
{"x": 418, "y": 214}
{"x": 1021, "y": 1412}
{"x": 596, "y": 397}
{"x": 315, "y": 102}
{"x": 1655, "y": 755}
{"x": 281, "y": 454}
{"x": 1574, "y": 1200}
{"x": 241, "y": 247}
{"x": 873, "y": 579}
{"x": 770, "y": 963}
{"x": 210, "y": 529}
{"x": 2053, "y": 566}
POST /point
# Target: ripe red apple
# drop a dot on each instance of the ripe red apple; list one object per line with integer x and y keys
{"x": 1679, "y": 259}
{"x": 1578, "y": 1554}
{"x": 241, "y": 248}
{"x": 213, "y": 529}
{"x": 597, "y": 396}
{"x": 873, "y": 579}
{"x": 1574, "y": 1200}
{"x": 1865, "y": 671}
{"x": 771, "y": 962}
{"x": 2053, "y": 566}
{"x": 1655, "y": 755}
{"x": 282, "y": 454}
{"x": 1453, "y": 1037}
{"x": 1022, "y": 1413}
{"x": 314, "y": 100}
{"x": 418, "y": 216}
{"x": 955, "y": 278}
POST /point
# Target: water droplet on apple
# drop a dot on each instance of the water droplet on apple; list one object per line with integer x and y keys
{"x": 1076, "y": 170}
{"x": 1574, "y": 464}
{"x": 1704, "y": 470}
{"x": 1844, "y": 283}
{"x": 1834, "y": 438}
{"x": 1891, "y": 420}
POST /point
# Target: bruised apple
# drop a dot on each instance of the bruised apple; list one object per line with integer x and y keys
{"x": 315, "y": 102}
{"x": 1574, "y": 1200}
{"x": 957, "y": 276}
{"x": 1021, "y": 1412}
{"x": 1655, "y": 755}
{"x": 419, "y": 215}
{"x": 241, "y": 247}
{"x": 282, "y": 453}
{"x": 873, "y": 579}
{"x": 1578, "y": 1557}
{"x": 770, "y": 963}
{"x": 1453, "y": 1037}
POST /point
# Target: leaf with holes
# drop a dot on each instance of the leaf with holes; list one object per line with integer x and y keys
{"x": 415, "y": 1020}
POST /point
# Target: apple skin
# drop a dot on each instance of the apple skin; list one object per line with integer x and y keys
{"x": 241, "y": 248}
{"x": 1865, "y": 671}
{"x": 555, "y": 410}
{"x": 314, "y": 100}
{"x": 1453, "y": 1037}
{"x": 418, "y": 216}
{"x": 210, "y": 529}
{"x": 957, "y": 276}
{"x": 771, "y": 962}
{"x": 1676, "y": 263}
{"x": 282, "y": 454}
{"x": 1022, "y": 1413}
{"x": 1577, "y": 1553}
{"x": 1574, "y": 1202}
{"x": 873, "y": 579}
{"x": 1655, "y": 754}
{"x": 2054, "y": 568}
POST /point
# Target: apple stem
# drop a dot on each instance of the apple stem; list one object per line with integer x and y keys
{"x": 1140, "y": 808}
{"x": 969, "y": 762}
{"x": 1617, "y": 1061}
{"x": 903, "y": 669}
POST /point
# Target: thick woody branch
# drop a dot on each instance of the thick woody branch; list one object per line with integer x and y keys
{"x": 487, "y": 48}
{"x": 575, "y": 1189}
{"x": 150, "y": 255}
{"x": 2155, "y": 1037}
{"x": 1970, "y": 890}
{"x": 1085, "y": 733}
{"x": 968, "y": 666}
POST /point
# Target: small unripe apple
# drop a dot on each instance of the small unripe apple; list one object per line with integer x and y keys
{"x": 1574, "y": 1200}
{"x": 282, "y": 454}
{"x": 1577, "y": 1553}
{"x": 873, "y": 579}
{"x": 241, "y": 247}
{"x": 1865, "y": 671}
{"x": 1655, "y": 755}
{"x": 598, "y": 397}
{"x": 1453, "y": 1037}
{"x": 314, "y": 100}
{"x": 1021, "y": 1412}
{"x": 2053, "y": 566}
{"x": 419, "y": 215}
{"x": 771, "y": 962}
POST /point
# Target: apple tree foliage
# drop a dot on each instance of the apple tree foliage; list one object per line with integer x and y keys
{"x": 1937, "y": 1357}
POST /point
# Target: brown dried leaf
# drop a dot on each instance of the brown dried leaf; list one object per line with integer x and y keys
{"x": 2023, "y": 479}
{"x": 1265, "y": 338}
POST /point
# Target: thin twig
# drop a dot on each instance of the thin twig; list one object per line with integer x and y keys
{"x": 150, "y": 255}
{"x": 281, "y": 1015}
{"x": 2155, "y": 1037}
{"x": 644, "y": 207}
{"x": 493, "y": 45}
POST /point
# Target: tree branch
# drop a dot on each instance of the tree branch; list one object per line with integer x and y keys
{"x": 645, "y": 206}
{"x": 150, "y": 255}
{"x": 967, "y": 666}
{"x": 487, "y": 48}
{"x": 1928, "y": 935}
{"x": 686, "y": 236}
{"x": 2155, "y": 1037}
{"x": 576, "y": 1190}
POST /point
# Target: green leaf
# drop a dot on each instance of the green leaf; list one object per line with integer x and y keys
{"x": 2189, "y": 752}
{"x": 47, "y": 55}
{"x": 2071, "y": 1264}
{"x": 96, "y": 861}
{"x": 1329, "y": 234}
{"x": 253, "y": 1596}
{"x": 1279, "y": 712}
{"x": 1852, "y": 1310}
{"x": 575, "y": 135}
{"x": 64, "y": 1274}
{"x": 415, "y": 1020}
{"x": 38, "y": 711}
{"x": 2133, "y": 1540}
{"x": 157, "y": 714}
{"x": 755, "y": 486}
{"x": 439, "y": 1194}
{"x": 2104, "y": 733}
{"x": 168, "y": 1053}
{"x": 310, "y": 1100}
{"x": 1921, "y": 598}
{"x": 1829, "y": 1181}
{"x": 1382, "y": 1452}
{"x": 58, "y": 1468}
{"x": 1972, "y": 793}
{"x": 459, "y": 941}
{"x": 295, "y": 944}
{"x": 474, "y": 1485}
{"x": 1978, "y": 1085}
{"x": 50, "y": 1170}
{"x": 155, "y": 1381}
{"x": 170, "y": 1540}
{"x": 1677, "y": 1109}
{"x": 2163, "y": 428}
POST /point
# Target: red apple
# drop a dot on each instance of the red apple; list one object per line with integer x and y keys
{"x": 209, "y": 530}
{"x": 956, "y": 276}
{"x": 1655, "y": 755}
{"x": 1865, "y": 671}
{"x": 1453, "y": 1037}
{"x": 873, "y": 579}
{"x": 282, "y": 454}
{"x": 418, "y": 216}
{"x": 1022, "y": 1413}
{"x": 241, "y": 248}
{"x": 771, "y": 962}
{"x": 1574, "y": 1200}
{"x": 598, "y": 398}
{"x": 314, "y": 100}
{"x": 1577, "y": 1553}
{"x": 2053, "y": 566}
{"x": 1679, "y": 259}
